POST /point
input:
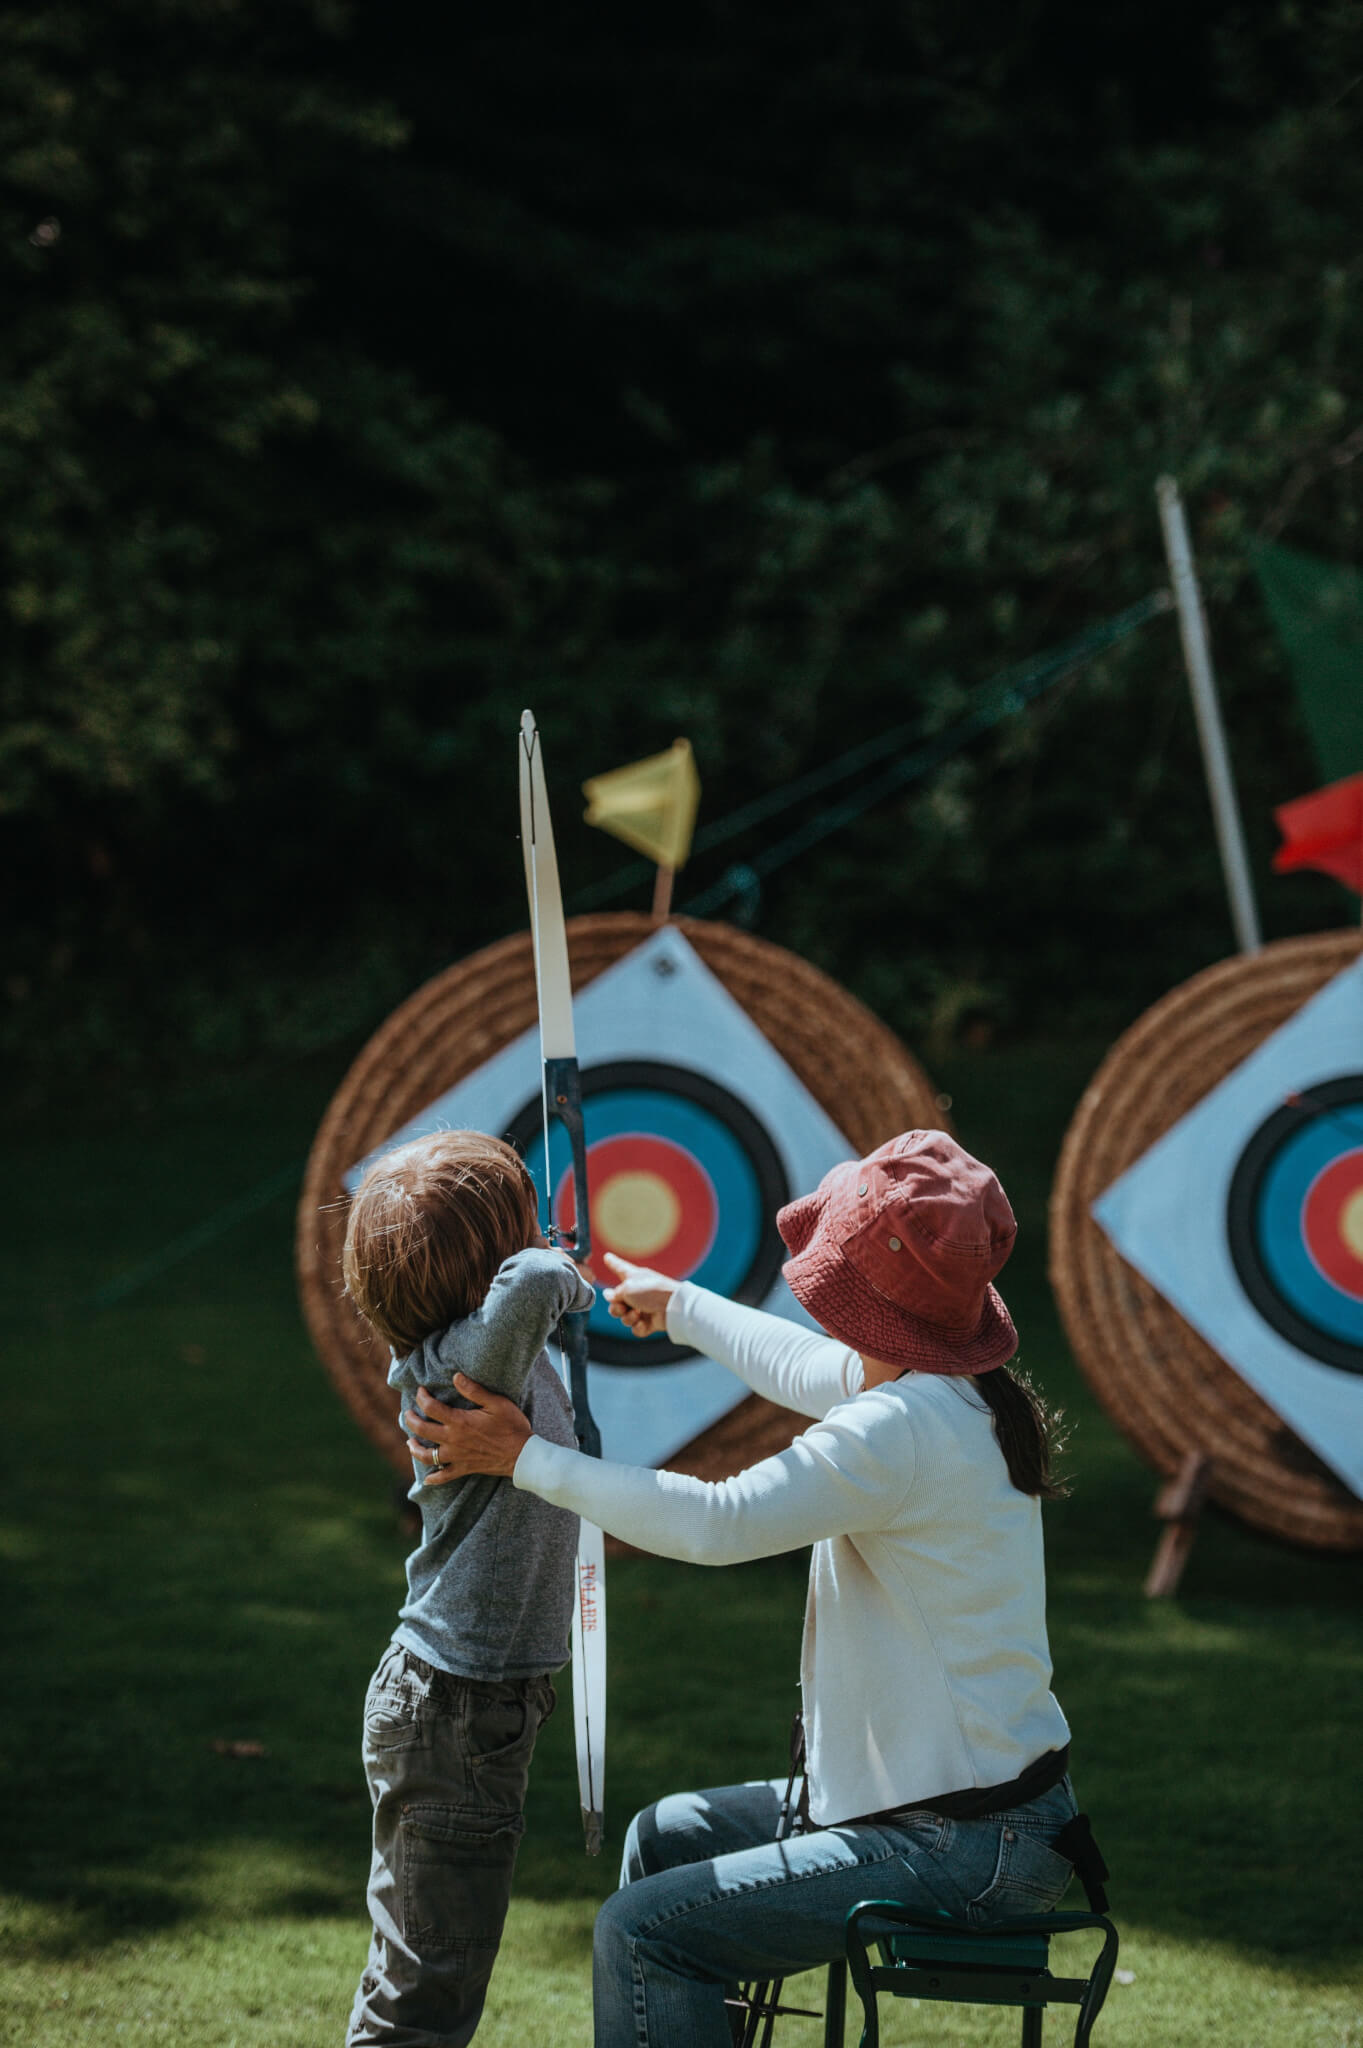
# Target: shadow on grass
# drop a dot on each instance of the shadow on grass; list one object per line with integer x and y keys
{"x": 308, "y": 1902}
{"x": 64, "y": 1917}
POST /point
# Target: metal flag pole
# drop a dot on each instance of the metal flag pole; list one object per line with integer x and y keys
{"x": 562, "y": 1099}
{"x": 1197, "y": 658}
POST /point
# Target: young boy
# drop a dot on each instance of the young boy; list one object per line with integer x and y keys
{"x": 444, "y": 1258}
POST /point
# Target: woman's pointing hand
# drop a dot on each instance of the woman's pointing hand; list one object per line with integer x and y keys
{"x": 640, "y": 1296}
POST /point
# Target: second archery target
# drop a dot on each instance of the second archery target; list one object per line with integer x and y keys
{"x": 1207, "y": 1235}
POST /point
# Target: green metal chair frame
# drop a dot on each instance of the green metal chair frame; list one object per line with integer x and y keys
{"x": 1005, "y": 1964}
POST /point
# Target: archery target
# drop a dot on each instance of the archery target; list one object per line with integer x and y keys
{"x": 776, "y": 1036}
{"x": 681, "y": 1176}
{"x": 1247, "y": 1216}
{"x": 1295, "y": 1222}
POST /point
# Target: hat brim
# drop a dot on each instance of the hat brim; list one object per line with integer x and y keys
{"x": 841, "y": 1302}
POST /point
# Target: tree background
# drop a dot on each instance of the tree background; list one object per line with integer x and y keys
{"x": 772, "y": 375}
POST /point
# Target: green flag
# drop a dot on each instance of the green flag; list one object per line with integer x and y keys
{"x": 1317, "y": 609}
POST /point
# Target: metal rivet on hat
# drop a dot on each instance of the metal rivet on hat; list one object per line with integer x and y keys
{"x": 894, "y": 1244}
{"x": 862, "y": 1189}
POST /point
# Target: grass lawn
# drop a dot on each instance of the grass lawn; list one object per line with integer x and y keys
{"x": 202, "y": 1549}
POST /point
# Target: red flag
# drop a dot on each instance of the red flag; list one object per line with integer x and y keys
{"x": 1325, "y": 831}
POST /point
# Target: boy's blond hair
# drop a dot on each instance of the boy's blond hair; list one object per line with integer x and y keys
{"x": 429, "y": 1225}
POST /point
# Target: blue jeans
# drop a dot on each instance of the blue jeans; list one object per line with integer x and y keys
{"x": 708, "y": 1898}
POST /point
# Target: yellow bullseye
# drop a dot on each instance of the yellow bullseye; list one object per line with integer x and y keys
{"x": 1351, "y": 1224}
{"x": 635, "y": 1213}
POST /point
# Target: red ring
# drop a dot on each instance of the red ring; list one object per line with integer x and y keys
{"x": 1321, "y": 1211}
{"x": 641, "y": 1152}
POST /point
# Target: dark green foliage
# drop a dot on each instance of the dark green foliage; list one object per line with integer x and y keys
{"x": 773, "y": 375}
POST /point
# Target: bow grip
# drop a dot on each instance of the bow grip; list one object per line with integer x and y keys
{"x": 572, "y": 1335}
{"x": 563, "y": 1092}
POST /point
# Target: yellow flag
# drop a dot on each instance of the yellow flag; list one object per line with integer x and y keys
{"x": 651, "y": 805}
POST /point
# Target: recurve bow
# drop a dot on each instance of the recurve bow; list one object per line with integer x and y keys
{"x": 562, "y": 1095}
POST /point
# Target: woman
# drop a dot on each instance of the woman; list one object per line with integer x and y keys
{"x": 936, "y": 1751}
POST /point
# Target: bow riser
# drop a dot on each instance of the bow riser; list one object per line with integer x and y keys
{"x": 563, "y": 1094}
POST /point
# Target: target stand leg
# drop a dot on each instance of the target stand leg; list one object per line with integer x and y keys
{"x": 1178, "y": 1506}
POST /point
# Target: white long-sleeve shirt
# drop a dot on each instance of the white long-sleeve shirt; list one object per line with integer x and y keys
{"x": 925, "y": 1667}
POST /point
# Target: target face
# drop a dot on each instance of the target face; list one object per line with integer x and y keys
{"x": 1247, "y": 1215}
{"x": 1295, "y": 1222}
{"x": 680, "y": 1176}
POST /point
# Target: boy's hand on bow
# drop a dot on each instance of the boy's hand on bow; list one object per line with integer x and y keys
{"x": 640, "y": 1296}
{"x": 486, "y": 1438}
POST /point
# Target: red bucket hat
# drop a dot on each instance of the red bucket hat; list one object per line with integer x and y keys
{"x": 894, "y": 1255}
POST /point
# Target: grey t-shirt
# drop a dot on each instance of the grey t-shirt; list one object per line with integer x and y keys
{"x": 490, "y": 1584}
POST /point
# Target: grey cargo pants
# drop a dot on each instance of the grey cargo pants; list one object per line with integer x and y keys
{"x": 447, "y": 1760}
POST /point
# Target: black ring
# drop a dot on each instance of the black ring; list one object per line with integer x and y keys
{"x": 1242, "y": 1202}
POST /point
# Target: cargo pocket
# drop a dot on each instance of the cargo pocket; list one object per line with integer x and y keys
{"x": 456, "y": 1877}
{"x": 1029, "y": 1877}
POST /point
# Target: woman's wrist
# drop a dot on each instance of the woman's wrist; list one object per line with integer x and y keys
{"x": 542, "y": 1465}
{"x": 679, "y": 1307}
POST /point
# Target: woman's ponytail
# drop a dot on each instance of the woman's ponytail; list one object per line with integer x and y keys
{"x": 1029, "y": 1432}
